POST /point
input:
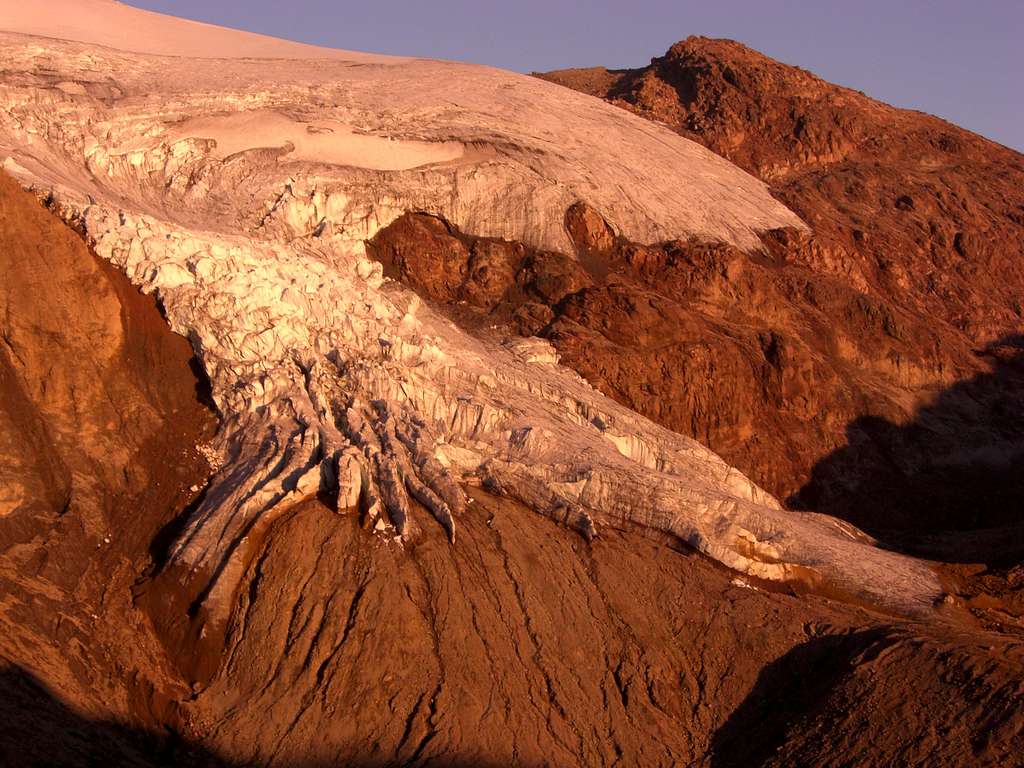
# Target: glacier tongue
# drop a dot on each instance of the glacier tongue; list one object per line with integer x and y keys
{"x": 330, "y": 378}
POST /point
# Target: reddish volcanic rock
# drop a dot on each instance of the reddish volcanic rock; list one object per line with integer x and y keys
{"x": 767, "y": 363}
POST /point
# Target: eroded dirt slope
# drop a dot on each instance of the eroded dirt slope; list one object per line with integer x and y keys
{"x": 99, "y": 419}
{"x": 525, "y": 645}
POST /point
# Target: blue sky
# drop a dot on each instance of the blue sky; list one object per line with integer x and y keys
{"x": 963, "y": 61}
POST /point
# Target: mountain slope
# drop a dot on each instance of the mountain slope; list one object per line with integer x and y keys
{"x": 415, "y": 537}
{"x": 523, "y": 645}
{"x": 909, "y": 283}
{"x": 244, "y": 195}
{"x": 100, "y": 416}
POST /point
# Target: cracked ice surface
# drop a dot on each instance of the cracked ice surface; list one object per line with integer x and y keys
{"x": 329, "y": 377}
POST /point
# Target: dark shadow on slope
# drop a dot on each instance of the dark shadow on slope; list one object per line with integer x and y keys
{"x": 949, "y": 485}
{"x": 788, "y": 691}
{"x": 37, "y": 730}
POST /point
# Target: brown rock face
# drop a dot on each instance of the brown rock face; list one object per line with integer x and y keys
{"x": 769, "y": 364}
{"x": 428, "y": 258}
{"x": 853, "y": 341}
{"x": 588, "y": 230}
{"x": 514, "y": 284}
{"x": 99, "y": 419}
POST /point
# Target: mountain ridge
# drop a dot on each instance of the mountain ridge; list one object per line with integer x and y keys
{"x": 920, "y": 222}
